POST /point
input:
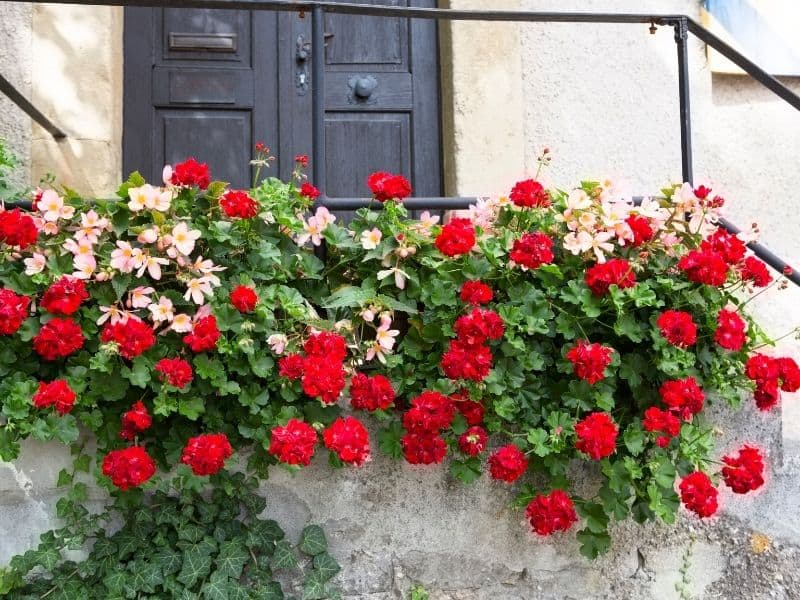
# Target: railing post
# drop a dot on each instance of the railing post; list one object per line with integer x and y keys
{"x": 681, "y": 27}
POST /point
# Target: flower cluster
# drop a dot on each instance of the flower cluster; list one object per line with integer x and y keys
{"x": 771, "y": 375}
{"x": 549, "y": 513}
{"x": 386, "y": 186}
{"x": 129, "y": 467}
{"x": 456, "y": 238}
{"x": 532, "y": 250}
{"x": 206, "y": 454}
{"x": 597, "y": 435}
{"x": 745, "y": 472}
{"x": 430, "y": 413}
{"x": 589, "y": 361}
{"x": 698, "y": 494}
{"x": 57, "y": 394}
{"x": 371, "y": 393}
{"x": 348, "y": 439}
{"x": 293, "y": 443}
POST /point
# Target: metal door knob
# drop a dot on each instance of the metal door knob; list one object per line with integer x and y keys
{"x": 364, "y": 86}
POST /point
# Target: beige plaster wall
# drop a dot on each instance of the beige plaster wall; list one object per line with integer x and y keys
{"x": 77, "y": 80}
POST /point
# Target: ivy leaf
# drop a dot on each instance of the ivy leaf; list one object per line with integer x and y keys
{"x": 168, "y": 560}
{"x": 312, "y": 540}
{"x": 233, "y": 556}
{"x": 217, "y": 587}
{"x": 314, "y": 586}
{"x": 326, "y": 566}
{"x": 127, "y": 543}
{"x": 116, "y": 582}
{"x": 196, "y": 565}
{"x": 283, "y": 557}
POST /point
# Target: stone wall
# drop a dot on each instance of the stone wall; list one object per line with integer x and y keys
{"x": 604, "y": 99}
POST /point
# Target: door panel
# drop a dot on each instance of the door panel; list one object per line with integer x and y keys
{"x": 209, "y": 83}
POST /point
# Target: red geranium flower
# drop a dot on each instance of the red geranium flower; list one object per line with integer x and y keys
{"x": 465, "y": 361}
{"x": 17, "y": 229}
{"x": 730, "y": 247}
{"x": 326, "y": 344}
{"x": 430, "y": 412}
{"x": 602, "y": 276}
{"x": 371, "y": 393}
{"x": 551, "y": 512}
{"x": 13, "y": 311}
{"x": 478, "y": 326}
{"x": 348, "y": 439}
{"x": 507, "y": 463}
{"x": 731, "y": 330}
{"x": 176, "y": 371}
{"x": 472, "y": 410}
{"x": 704, "y": 266}
{"x": 293, "y": 443}
{"x": 683, "y": 396}
{"x": 597, "y": 435}
{"x": 761, "y": 368}
{"x": 423, "y": 448}
{"x": 309, "y": 191}
{"x": 291, "y": 366}
{"x": 244, "y": 298}
{"x": 529, "y": 193}
{"x": 55, "y": 393}
{"x": 204, "y": 335}
{"x": 532, "y": 250}
{"x": 789, "y": 374}
{"x": 190, "y": 172}
{"x": 678, "y": 328}
{"x": 64, "y": 296}
{"x": 473, "y": 441}
{"x": 589, "y": 361}
{"x": 456, "y": 238}
{"x": 58, "y": 338}
{"x": 323, "y": 378}
{"x": 129, "y": 467}
{"x": 476, "y": 292}
{"x": 135, "y": 421}
{"x": 238, "y": 204}
{"x": 641, "y": 229}
{"x": 301, "y": 160}
{"x": 745, "y": 472}
{"x": 206, "y": 454}
{"x": 698, "y": 494}
{"x": 133, "y": 336}
{"x": 386, "y": 186}
{"x": 756, "y": 271}
{"x": 663, "y": 422}
{"x": 767, "y": 394}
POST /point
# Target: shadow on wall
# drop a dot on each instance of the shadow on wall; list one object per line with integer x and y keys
{"x": 77, "y": 82}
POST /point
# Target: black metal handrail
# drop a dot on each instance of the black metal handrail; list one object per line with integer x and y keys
{"x": 683, "y": 25}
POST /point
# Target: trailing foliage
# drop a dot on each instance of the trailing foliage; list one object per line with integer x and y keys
{"x": 186, "y": 322}
{"x": 175, "y": 542}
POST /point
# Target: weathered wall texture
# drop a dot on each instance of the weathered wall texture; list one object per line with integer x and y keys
{"x": 604, "y": 100}
{"x": 15, "y": 65}
{"x": 77, "y": 81}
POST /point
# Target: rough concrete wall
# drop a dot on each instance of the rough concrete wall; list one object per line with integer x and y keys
{"x": 509, "y": 91}
{"x": 15, "y": 65}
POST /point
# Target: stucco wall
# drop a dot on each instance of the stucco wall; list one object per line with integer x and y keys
{"x": 604, "y": 100}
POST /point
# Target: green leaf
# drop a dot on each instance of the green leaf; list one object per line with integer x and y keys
{"x": 232, "y": 558}
{"x": 538, "y": 439}
{"x": 314, "y": 586}
{"x": 634, "y": 439}
{"x": 196, "y": 565}
{"x": 593, "y": 544}
{"x": 349, "y": 296}
{"x": 217, "y": 587}
{"x": 389, "y": 440}
{"x": 168, "y": 560}
{"x": 283, "y": 557}
{"x": 326, "y": 565}
{"x": 312, "y": 540}
{"x": 467, "y": 470}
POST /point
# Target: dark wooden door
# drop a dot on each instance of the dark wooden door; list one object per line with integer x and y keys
{"x": 210, "y": 83}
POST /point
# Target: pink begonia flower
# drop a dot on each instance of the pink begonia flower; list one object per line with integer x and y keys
{"x": 578, "y": 243}
{"x": 79, "y": 247}
{"x": 400, "y": 276}
{"x": 92, "y": 226}
{"x": 35, "y": 264}
{"x": 150, "y": 198}
{"x": 277, "y": 342}
{"x": 371, "y": 238}
{"x": 197, "y": 289}
{"x": 600, "y": 245}
{"x": 182, "y": 323}
{"x": 312, "y": 230}
{"x": 153, "y": 266}
{"x": 324, "y": 217}
{"x": 163, "y": 311}
{"x": 166, "y": 175}
{"x": 122, "y": 258}
{"x": 85, "y": 265}
{"x": 183, "y": 238}
{"x": 52, "y": 207}
{"x": 148, "y": 236}
{"x": 140, "y": 297}
{"x": 112, "y": 312}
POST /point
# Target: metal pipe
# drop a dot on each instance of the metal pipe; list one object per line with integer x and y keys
{"x": 409, "y": 203}
{"x": 684, "y": 98}
{"x": 34, "y": 113}
{"x": 318, "y": 99}
{"x": 765, "y": 254}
